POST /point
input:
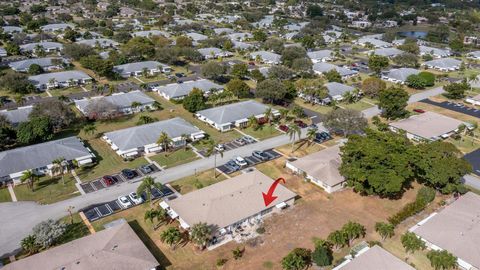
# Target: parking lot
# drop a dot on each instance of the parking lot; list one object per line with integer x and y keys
{"x": 98, "y": 211}
{"x": 100, "y": 183}
{"x": 456, "y": 107}
{"x": 251, "y": 160}
{"x": 230, "y": 145}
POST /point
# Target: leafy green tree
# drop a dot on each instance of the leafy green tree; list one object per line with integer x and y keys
{"x": 411, "y": 242}
{"x": 29, "y": 244}
{"x": 377, "y": 62}
{"x": 410, "y": 47}
{"x": 333, "y": 76}
{"x": 274, "y": 44}
{"x": 12, "y": 48}
{"x": 392, "y": 102}
{"x": 35, "y": 69}
{"x": 378, "y": 163}
{"x": 195, "y": 101}
{"x": 416, "y": 82}
{"x": 164, "y": 141}
{"x": 353, "y": 230}
{"x": 406, "y": 60}
{"x": 303, "y": 65}
{"x": 271, "y": 90}
{"x": 8, "y": 134}
{"x": 314, "y": 11}
{"x": 15, "y": 82}
{"x": 145, "y": 119}
{"x": 30, "y": 177}
{"x": 200, "y": 233}
{"x": 139, "y": 48}
{"x": 322, "y": 256}
{"x": 308, "y": 42}
{"x": 428, "y": 77}
{"x": 289, "y": 54}
{"x": 280, "y": 72}
{"x": 337, "y": 238}
{"x": 293, "y": 132}
{"x": 77, "y": 51}
{"x": 441, "y": 166}
{"x": 239, "y": 70}
{"x": 213, "y": 70}
{"x": 385, "y": 230}
{"x": 37, "y": 129}
{"x": 48, "y": 232}
{"x": 239, "y": 88}
{"x": 345, "y": 121}
{"x": 152, "y": 214}
{"x": 297, "y": 259}
{"x": 171, "y": 236}
{"x": 237, "y": 253}
{"x": 58, "y": 113}
{"x": 372, "y": 86}
{"x": 183, "y": 41}
{"x": 442, "y": 260}
{"x": 456, "y": 90}
{"x": 256, "y": 75}
{"x": 147, "y": 185}
{"x": 259, "y": 35}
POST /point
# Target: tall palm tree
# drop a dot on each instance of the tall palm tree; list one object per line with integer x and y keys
{"x": 30, "y": 177}
{"x": 212, "y": 151}
{"x": 60, "y": 165}
{"x": 157, "y": 214}
{"x": 311, "y": 135}
{"x": 135, "y": 105}
{"x": 200, "y": 233}
{"x": 146, "y": 187}
{"x": 293, "y": 132}
{"x": 253, "y": 122}
{"x": 284, "y": 113}
{"x": 90, "y": 129}
{"x": 184, "y": 137}
{"x": 171, "y": 236}
{"x": 164, "y": 141}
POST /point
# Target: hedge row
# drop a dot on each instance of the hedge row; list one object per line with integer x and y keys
{"x": 424, "y": 196}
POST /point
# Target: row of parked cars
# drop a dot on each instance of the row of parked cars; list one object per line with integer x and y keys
{"x": 299, "y": 123}
{"x": 239, "y": 162}
{"x": 129, "y": 200}
{"x": 127, "y": 173}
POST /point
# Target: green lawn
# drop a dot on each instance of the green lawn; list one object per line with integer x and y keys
{"x": 75, "y": 230}
{"x": 194, "y": 182}
{"x": 465, "y": 144}
{"x": 359, "y": 106}
{"x": 65, "y": 91}
{"x": 263, "y": 132}
{"x": 108, "y": 162}
{"x": 172, "y": 159}
{"x": 317, "y": 108}
{"x": 48, "y": 190}
{"x": 5, "y": 195}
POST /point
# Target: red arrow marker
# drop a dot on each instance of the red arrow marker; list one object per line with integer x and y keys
{"x": 269, "y": 198}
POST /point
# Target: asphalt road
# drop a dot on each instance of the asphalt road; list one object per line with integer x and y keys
{"x": 18, "y": 218}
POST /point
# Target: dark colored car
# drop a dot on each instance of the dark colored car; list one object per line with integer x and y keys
{"x": 146, "y": 169}
{"x": 179, "y": 75}
{"x": 300, "y": 123}
{"x": 260, "y": 155}
{"x": 418, "y": 110}
{"x": 129, "y": 174}
{"x": 232, "y": 165}
{"x": 109, "y": 180}
{"x": 283, "y": 128}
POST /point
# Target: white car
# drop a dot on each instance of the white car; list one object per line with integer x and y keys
{"x": 220, "y": 147}
{"x": 124, "y": 202}
{"x": 134, "y": 198}
{"x": 241, "y": 161}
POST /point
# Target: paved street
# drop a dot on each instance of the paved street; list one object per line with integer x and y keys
{"x": 18, "y": 218}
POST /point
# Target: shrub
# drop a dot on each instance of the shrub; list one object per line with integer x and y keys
{"x": 322, "y": 256}
{"x": 237, "y": 253}
{"x": 426, "y": 194}
{"x": 221, "y": 261}
{"x": 260, "y": 230}
{"x": 429, "y": 78}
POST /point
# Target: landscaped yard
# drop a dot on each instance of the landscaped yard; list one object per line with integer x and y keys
{"x": 108, "y": 162}
{"x": 194, "y": 182}
{"x": 177, "y": 157}
{"x": 48, "y": 190}
{"x": 65, "y": 91}
{"x": 5, "y": 195}
{"x": 263, "y": 132}
{"x": 359, "y": 106}
{"x": 466, "y": 144}
{"x": 317, "y": 108}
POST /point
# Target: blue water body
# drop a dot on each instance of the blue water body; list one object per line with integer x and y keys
{"x": 413, "y": 34}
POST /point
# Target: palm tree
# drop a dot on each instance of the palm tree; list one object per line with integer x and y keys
{"x": 146, "y": 187}
{"x": 212, "y": 151}
{"x": 90, "y": 129}
{"x": 200, "y": 233}
{"x": 253, "y": 122}
{"x": 311, "y": 135}
{"x": 59, "y": 167}
{"x": 268, "y": 115}
{"x": 156, "y": 105}
{"x": 171, "y": 236}
{"x": 164, "y": 141}
{"x": 145, "y": 119}
{"x": 135, "y": 105}
{"x": 384, "y": 229}
{"x": 284, "y": 113}
{"x": 353, "y": 230}
{"x": 29, "y": 244}
{"x": 184, "y": 137}
{"x": 293, "y": 132}
{"x": 29, "y": 177}
{"x": 337, "y": 238}
{"x": 158, "y": 214}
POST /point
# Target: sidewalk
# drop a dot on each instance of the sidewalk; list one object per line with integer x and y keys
{"x": 12, "y": 193}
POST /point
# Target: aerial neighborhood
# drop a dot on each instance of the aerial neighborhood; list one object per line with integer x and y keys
{"x": 200, "y": 134}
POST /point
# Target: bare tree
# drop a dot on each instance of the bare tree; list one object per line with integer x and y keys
{"x": 101, "y": 109}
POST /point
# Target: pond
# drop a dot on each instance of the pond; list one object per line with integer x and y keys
{"x": 413, "y": 34}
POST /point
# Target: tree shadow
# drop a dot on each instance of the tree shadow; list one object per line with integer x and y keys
{"x": 152, "y": 247}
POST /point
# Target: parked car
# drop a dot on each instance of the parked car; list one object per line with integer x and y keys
{"x": 134, "y": 198}
{"x": 251, "y": 63}
{"x": 124, "y": 202}
{"x": 129, "y": 174}
{"x": 232, "y": 165}
{"x": 313, "y": 126}
{"x": 180, "y": 75}
{"x": 109, "y": 180}
{"x": 260, "y": 155}
{"x": 322, "y": 136}
{"x": 241, "y": 161}
{"x": 146, "y": 169}
{"x": 300, "y": 123}
{"x": 249, "y": 139}
{"x": 418, "y": 110}
{"x": 240, "y": 141}
{"x": 220, "y": 147}
{"x": 283, "y": 128}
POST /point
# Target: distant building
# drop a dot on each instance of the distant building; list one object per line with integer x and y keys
{"x": 213, "y": 53}
{"x": 444, "y": 64}
{"x": 434, "y": 52}
{"x": 56, "y": 27}
{"x": 47, "y": 46}
{"x": 370, "y": 258}
{"x": 321, "y": 68}
{"x": 321, "y": 56}
{"x": 123, "y": 101}
{"x": 266, "y": 57}
{"x": 138, "y": 68}
{"x": 46, "y": 63}
{"x": 178, "y": 91}
{"x": 361, "y": 24}
{"x": 17, "y": 115}
{"x": 399, "y": 75}
{"x": 59, "y": 79}
{"x": 99, "y": 42}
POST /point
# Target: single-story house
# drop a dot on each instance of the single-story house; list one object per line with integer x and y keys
{"x": 474, "y": 55}
{"x": 387, "y": 52}
{"x": 56, "y": 27}
{"x": 3, "y": 52}
{"x": 134, "y": 141}
{"x": 59, "y": 79}
{"x": 370, "y": 258}
{"x": 399, "y": 75}
{"x": 475, "y": 100}
{"x": 290, "y": 35}
{"x": 337, "y": 90}
{"x": 360, "y": 24}
{"x": 178, "y": 91}
{"x": 321, "y": 56}
{"x": 117, "y": 247}
{"x": 295, "y": 26}
{"x": 239, "y": 36}
{"x": 322, "y": 67}
{"x": 39, "y": 157}
{"x": 455, "y": 229}
{"x": 229, "y": 204}
{"x": 223, "y": 31}
{"x": 137, "y": 68}
{"x": 101, "y": 42}
{"x": 196, "y": 37}
{"x": 377, "y": 43}
{"x": 150, "y": 33}
{"x": 46, "y": 63}
{"x": 266, "y": 22}
{"x": 12, "y": 29}
{"x": 122, "y": 100}
{"x": 266, "y": 57}
{"x": 47, "y": 46}
{"x": 434, "y": 52}
{"x": 430, "y": 126}
{"x": 226, "y": 117}
{"x": 17, "y": 115}
{"x": 444, "y": 64}
{"x": 242, "y": 45}
{"x": 321, "y": 168}
{"x": 213, "y": 53}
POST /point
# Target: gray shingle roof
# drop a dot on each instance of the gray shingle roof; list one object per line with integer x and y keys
{"x": 444, "y": 63}
{"x": 139, "y": 136}
{"x": 18, "y": 115}
{"x": 401, "y": 74}
{"x": 45, "y": 45}
{"x": 196, "y": 36}
{"x": 12, "y": 29}
{"x": 138, "y": 66}
{"x": 325, "y": 67}
{"x": 23, "y": 65}
{"x": 102, "y": 42}
{"x": 122, "y": 100}
{"x": 176, "y": 90}
{"x": 56, "y": 26}
{"x": 39, "y": 155}
{"x": 337, "y": 89}
{"x": 150, "y": 33}
{"x": 388, "y": 52}
{"x": 63, "y": 76}
{"x": 267, "y": 56}
{"x": 320, "y": 54}
{"x": 233, "y": 112}
{"x": 434, "y": 51}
